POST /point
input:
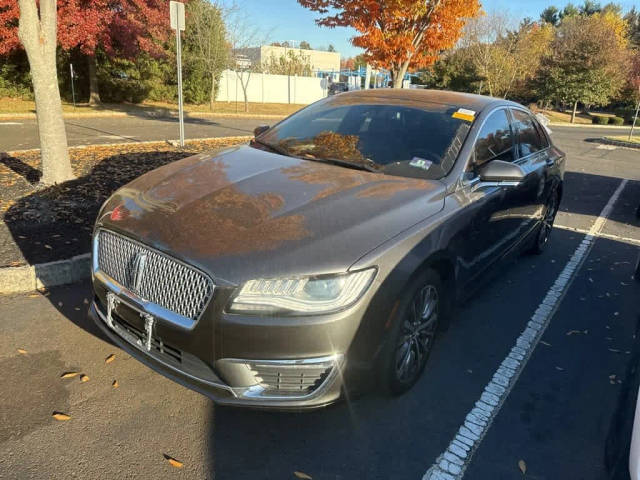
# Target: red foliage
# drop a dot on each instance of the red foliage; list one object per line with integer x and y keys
{"x": 395, "y": 32}
{"x": 125, "y": 27}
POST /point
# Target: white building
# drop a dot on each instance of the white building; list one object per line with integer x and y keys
{"x": 318, "y": 59}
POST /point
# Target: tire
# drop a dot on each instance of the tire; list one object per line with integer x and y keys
{"x": 412, "y": 335}
{"x": 544, "y": 230}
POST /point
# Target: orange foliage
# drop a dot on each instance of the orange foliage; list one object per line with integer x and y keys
{"x": 399, "y": 34}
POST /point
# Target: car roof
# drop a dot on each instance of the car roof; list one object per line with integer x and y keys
{"x": 385, "y": 96}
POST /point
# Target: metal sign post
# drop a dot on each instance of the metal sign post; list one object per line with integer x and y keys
{"x": 73, "y": 90}
{"x": 176, "y": 15}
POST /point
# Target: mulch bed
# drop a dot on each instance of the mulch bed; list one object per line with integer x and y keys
{"x": 43, "y": 224}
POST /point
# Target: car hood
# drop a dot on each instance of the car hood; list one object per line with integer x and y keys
{"x": 246, "y": 213}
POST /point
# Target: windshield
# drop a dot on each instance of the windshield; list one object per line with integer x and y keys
{"x": 420, "y": 142}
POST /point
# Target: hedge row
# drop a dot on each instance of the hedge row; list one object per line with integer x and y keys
{"x": 602, "y": 120}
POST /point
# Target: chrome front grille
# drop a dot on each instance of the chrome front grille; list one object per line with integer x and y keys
{"x": 161, "y": 279}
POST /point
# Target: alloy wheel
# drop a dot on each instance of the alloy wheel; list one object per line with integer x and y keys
{"x": 547, "y": 220}
{"x": 418, "y": 332}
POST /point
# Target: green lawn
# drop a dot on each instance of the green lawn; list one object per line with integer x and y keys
{"x": 17, "y": 106}
{"x": 565, "y": 116}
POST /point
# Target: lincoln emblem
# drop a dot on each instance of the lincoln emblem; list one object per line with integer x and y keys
{"x": 137, "y": 268}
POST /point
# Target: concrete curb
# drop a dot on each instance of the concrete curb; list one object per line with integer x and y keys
{"x": 619, "y": 143}
{"x": 588, "y": 125}
{"x": 28, "y": 278}
{"x": 150, "y": 115}
{"x": 239, "y": 138}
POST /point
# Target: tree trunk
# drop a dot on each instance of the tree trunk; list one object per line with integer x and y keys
{"x": 94, "y": 93}
{"x": 37, "y": 32}
{"x": 397, "y": 74}
{"x": 212, "y": 96}
{"x": 573, "y": 113}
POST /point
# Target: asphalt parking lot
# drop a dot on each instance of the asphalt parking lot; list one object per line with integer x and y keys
{"x": 567, "y": 415}
{"x": 23, "y": 134}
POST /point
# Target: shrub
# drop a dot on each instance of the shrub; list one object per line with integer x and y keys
{"x": 616, "y": 121}
{"x": 600, "y": 120}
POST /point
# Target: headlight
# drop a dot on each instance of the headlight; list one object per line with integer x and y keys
{"x": 304, "y": 296}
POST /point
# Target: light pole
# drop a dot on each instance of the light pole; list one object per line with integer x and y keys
{"x": 635, "y": 118}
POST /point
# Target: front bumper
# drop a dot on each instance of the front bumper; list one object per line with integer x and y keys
{"x": 245, "y": 387}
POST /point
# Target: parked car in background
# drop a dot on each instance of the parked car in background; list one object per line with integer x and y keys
{"x": 327, "y": 254}
{"x": 338, "y": 87}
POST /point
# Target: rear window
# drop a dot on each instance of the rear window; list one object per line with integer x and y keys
{"x": 399, "y": 139}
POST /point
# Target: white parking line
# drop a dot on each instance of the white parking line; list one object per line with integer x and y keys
{"x": 452, "y": 464}
{"x": 10, "y": 123}
{"x": 618, "y": 238}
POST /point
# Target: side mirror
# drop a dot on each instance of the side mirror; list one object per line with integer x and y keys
{"x": 498, "y": 171}
{"x": 259, "y": 130}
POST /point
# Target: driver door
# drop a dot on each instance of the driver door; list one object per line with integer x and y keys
{"x": 489, "y": 230}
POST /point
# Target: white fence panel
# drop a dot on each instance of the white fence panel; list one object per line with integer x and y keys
{"x": 266, "y": 88}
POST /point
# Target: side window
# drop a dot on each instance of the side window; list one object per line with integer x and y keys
{"x": 495, "y": 141}
{"x": 530, "y": 139}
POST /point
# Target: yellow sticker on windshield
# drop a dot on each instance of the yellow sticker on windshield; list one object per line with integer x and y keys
{"x": 464, "y": 114}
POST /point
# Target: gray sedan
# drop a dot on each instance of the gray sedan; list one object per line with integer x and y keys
{"x": 325, "y": 256}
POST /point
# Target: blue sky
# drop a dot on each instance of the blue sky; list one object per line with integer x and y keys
{"x": 287, "y": 20}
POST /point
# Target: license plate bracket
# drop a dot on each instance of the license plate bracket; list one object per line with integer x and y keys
{"x": 149, "y": 322}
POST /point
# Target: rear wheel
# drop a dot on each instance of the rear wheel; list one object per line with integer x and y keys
{"x": 414, "y": 332}
{"x": 544, "y": 231}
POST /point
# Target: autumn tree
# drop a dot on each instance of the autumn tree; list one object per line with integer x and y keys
{"x": 206, "y": 41}
{"x": 37, "y": 32}
{"x": 587, "y": 61}
{"x": 505, "y": 57}
{"x": 633, "y": 21}
{"x": 241, "y": 36}
{"x": 121, "y": 28}
{"x": 398, "y": 34}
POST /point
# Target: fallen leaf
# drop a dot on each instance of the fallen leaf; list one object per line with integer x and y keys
{"x": 22, "y": 351}
{"x": 110, "y": 358}
{"x": 69, "y": 374}
{"x": 172, "y": 461}
{"x": 545, "y": 343}
{"x": 33, "y": 295}
{"x": 573, "y": 332}
{"x": 115, "y": 384}
{"x": 523, "y": 466}
{"x": 84, "y": 378}
{"x": 60, "y": 304}
{"x": 302, "y": 475}
{"x": 61, "y": 416}
{"x": 560, "y": 369}
{"x": 614, "y": 350}
{"x": 85, "y": 301}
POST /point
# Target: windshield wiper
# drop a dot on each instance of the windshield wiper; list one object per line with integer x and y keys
{"x": 275, "y": 148}
{"x": 344, "y": 163}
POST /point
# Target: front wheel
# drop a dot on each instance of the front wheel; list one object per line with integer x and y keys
{"x": 413, "y": 332}
{"x": 544, "y": 231}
